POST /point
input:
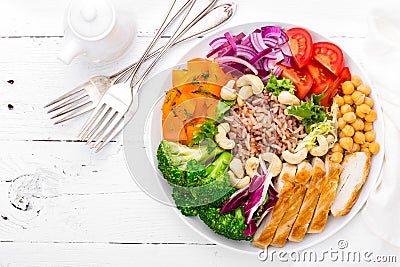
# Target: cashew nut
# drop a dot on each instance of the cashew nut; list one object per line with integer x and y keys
{"x": 295, "y": 158}
{"x": 227, "y": 91}
{"x": 322, "y": 147}
{"x": 240, "y": 101}
{"x": 252, "y": 166}
{"x": 254, "y": 81}
{"x": 227, "y": 144}
{"x": 222, "y": 140}
{"x": 238, "y": 183}
{"x": 223, "y": 128}
{"x": 275, "y": 163}
{"x": 287, "y": 98}
{"x": 236, "y": 167}
{"x": 331, "y": 139}
{"x": 245, "y": 92}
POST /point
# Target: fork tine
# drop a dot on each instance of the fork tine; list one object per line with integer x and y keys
{"x": 114, "y": 132}
{"x": 76, "y": 114}
{"x": 102, "y": 126}
{"x": 108, "y": 131}
{"x": 96, "y": 122}
{"x": 99, "y": 108}
{"x": 68, "y": 102}
{"x": 69, "y": 110}
{"x": 66, "y": 95}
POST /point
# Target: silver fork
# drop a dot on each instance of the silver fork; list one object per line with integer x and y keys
{"x": 86, "y": 96}
{"x": 106, "y": 121}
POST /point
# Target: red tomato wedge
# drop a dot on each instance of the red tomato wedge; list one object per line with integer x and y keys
{"x": 301, "y": 79}
{"x": 333, "y": 90}
{"x": 301, "y": 46}
{"x": 322, "y": 77}
{"x": 330, "y": 56}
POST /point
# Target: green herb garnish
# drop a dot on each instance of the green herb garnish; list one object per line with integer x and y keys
{"x": 276, "y": 86}
{"x": 311, "y": 112}
{"x": 207, "y": 130}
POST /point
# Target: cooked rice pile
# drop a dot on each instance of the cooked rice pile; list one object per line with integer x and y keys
{"x": 261, "y": 126}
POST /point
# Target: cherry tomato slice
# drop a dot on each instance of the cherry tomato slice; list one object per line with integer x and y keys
{"x": 333, "y": 90}
{"x": 301, "y": 79}
{"x": 330, "y": 56}
{"x": 300, "y": 44}
{"x": 322, "y": 77}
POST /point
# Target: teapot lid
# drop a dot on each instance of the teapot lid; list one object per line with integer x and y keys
{"x": 91, "y": 19}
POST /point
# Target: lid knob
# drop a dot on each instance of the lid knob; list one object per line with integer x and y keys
{"x": 88, "y": 12}
{"x": 91, "y": 19}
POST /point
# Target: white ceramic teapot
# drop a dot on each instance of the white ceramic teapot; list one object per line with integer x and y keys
{"x": 97, "y": 29}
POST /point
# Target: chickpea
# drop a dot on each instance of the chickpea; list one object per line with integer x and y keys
{"x": 364, "y": 108}
{"x": 338, "y": 100}
{"x": 349, "y": 117}
{"x": 339, "y": 114}
{"x": 341, "y": 134}
{"x": 358, "y": 124}
{"x": 346, "y": 108}
{"x": 365, "y": 149}
{"x": 341, "y": 123}
{"x": 356, "y": 81}
{"x": 346, "y": 143}
{"x": 371, "y": 116}
{"x": 337, "y": 148}
{"x": 370, "y": 136}
{"x": 358, "y": 97}
{"x": 348, "y": 130}
{"x": 359, "y": 137}
{"x": 366, "y": 144}
{"x": 355, "y": 148}
{"x": 336, "y": 157}
{"x": 369, "y": 101}
{"x": 365, "y": 89}
{"x": 348, "y": 100}
{"x": 374, "y": 148}
{"x": 360, "y": 114}
{"x": 347, "y": 87}
{"x": 368, "y": 126}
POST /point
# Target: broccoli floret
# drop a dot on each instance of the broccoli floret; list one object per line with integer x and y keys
{"x": 230, "y": 225}
{"x": 213, "y": 185}
{"x": 173, "y": 159}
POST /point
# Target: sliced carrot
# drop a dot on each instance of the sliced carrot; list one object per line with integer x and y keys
{"x": 191, "y": 127}
{"x": 173, "y": 129}
{"x": 170, "y": 101}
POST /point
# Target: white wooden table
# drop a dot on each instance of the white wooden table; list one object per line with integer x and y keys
{"x": 94, "y": 214}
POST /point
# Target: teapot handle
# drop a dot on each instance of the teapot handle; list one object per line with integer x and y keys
{"x": 70, "y": 51}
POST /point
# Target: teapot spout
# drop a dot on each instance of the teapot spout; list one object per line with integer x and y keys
{"x": 71, "y": 50}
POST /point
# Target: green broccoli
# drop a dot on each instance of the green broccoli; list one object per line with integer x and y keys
{"x": 213, "y": 185}
{"x": 173, "y": 159}
{"x": 230, "y": 225}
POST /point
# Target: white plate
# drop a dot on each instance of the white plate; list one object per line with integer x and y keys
{"x": 143, "y": 135}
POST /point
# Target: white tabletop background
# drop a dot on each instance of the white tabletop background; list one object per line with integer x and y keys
{"x": 95, "y": 214}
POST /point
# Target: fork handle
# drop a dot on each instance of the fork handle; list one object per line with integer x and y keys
{"x": 174, "y": 38}
{"x": 229, "y": 9}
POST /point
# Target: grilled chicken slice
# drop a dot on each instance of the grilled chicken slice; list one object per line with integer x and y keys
{"x": 304, "y": 172}
{"x": 326, "y": 198}
{"x": 290, "y": 216}
{"x": 354, "y": 174}
{"x": 266, "y": 231}
{"x": 306, "y": 212}
{"x": 303, "y": 175}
